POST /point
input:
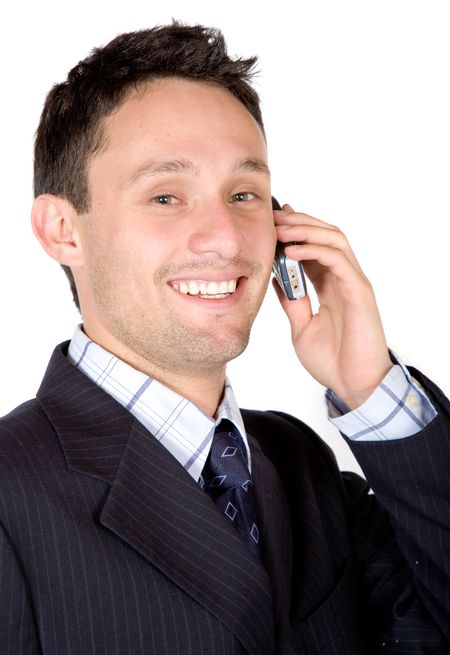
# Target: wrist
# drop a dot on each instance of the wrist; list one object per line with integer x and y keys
{"x": 354, "y": 398}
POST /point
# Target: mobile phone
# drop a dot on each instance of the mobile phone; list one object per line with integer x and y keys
{"x": 288, "y": 272}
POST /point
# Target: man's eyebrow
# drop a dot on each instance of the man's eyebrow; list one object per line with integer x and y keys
{"x": 253, "y": 165}
{"x": 153, "y": 168}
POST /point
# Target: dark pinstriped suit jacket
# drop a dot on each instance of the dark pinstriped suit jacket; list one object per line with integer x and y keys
{"x": 108, "y": 546}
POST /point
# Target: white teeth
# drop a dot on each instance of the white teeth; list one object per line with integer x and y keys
{"x": 223, "y": 287}
{"x": 207, "y": 289}
{"x": 216, "y": 295}
{"x": 212, "y": 288}
{"x": 193, "y": 288}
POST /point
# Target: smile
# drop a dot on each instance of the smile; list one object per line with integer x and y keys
{"x": 206, "y": 289}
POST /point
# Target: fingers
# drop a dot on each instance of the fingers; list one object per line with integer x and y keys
{"x": 299, "y": 312}
{"x": 326, "y": 254}
{"x": 330, "y": 259}
{"x": 313, "y": 234}
{"x": 305, "y": 229}
{"x": 287, "y": 216}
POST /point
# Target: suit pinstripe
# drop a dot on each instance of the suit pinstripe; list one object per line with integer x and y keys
{"x": 108, "y": 546}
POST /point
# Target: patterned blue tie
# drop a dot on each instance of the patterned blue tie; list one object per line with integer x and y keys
{"x": 226, "y": 479}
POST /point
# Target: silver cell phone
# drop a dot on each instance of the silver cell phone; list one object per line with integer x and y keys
{"x": 288, "y": 272}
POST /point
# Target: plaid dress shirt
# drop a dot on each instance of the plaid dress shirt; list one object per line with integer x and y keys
{"x": 398, "y": 408}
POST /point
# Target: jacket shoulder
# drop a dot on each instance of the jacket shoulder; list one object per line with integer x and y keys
{"x": 22, "y": 415}
{"x": 22, "y": 430}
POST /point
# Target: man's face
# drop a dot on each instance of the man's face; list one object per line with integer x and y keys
{"x": 179, "y": 240}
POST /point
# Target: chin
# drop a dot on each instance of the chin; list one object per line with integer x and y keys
{"x": 208, "y": 352}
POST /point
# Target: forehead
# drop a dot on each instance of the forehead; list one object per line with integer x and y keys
{"x": 164, "y": 111}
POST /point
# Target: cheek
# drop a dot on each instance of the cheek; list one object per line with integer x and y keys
{"x": 263, "y": 241}
{"x": 142, "y": 256}
{"x": 109, "y": 261}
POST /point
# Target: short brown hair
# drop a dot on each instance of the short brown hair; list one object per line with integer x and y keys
{"x": 70, "y": 128}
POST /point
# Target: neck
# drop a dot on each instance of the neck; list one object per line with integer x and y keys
{"x": 202, "y": 387}
{"x": 206, "y": 391}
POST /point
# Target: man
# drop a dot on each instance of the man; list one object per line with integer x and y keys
{"x": 153, "y": 191}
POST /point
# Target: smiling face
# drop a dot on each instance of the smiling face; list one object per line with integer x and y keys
{"x": 179, "y": 239}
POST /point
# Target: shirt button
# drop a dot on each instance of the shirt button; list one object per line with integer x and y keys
{"x": 412, "y": 400}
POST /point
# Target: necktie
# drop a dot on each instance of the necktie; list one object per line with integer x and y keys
{"x": 226, "y": 479}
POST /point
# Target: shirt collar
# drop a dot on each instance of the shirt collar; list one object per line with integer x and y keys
{"x": 182, "y": 427}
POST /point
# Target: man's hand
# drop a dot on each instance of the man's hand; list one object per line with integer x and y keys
{"x": 342, "y": 346}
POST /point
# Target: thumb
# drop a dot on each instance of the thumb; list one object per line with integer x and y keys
{"x": 299, "y": 312}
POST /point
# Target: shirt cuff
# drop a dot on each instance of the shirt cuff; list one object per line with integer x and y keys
{"x": 398, "y": 408}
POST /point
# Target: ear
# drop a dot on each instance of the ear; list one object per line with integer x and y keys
{"x": 55, "y": 224}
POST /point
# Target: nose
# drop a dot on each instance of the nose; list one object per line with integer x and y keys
{"x": 216, "y": 230}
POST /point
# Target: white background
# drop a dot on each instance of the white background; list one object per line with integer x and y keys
{"x": 355, "y": 97}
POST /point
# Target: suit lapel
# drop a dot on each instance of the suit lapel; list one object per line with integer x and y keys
{"x": 161, "y": 511}
{"x": 157, "y": 508}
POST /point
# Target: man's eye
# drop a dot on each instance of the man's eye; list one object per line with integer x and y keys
{"x": 243, "y": 196}
{"x": 164, "y": 199}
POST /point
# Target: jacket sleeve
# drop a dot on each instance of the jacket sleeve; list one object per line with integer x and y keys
{"x": 18, "y": 634}
{"x": 411, "y": 481}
